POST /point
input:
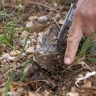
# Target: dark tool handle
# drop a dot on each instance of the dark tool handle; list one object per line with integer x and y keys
{"x": 67, "y": 23}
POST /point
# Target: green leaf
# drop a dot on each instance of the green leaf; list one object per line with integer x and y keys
{"x": 23, "y": 74}
{"x": 91, "y": 60}
{"x": 24, "y": 45}
{"x": 1, "y": 39}
{"x": 8, "y": 84}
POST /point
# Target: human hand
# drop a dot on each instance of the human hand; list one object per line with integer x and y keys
{"x": 84, "y": 21}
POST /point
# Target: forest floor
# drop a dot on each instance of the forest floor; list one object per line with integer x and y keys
{"x": 26, "y": 68}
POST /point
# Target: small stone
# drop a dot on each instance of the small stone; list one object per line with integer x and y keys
{"x": 80, "y": 76}
{"x": 30, "y": 56}
{"x": 42, "y": 19}
{"x": 47, "y": 32}
{"x": 12, "y": 93}
{"x": 46, "y": 93}
{"x": 33, "y": 41}
{"x": 34, "y": 35}
{"x": 63, "y": 88}
{"x": 20, "y": 7}
{"x": 7, "y": 57}
{"x": 13, "y": 53}
{"x": 17, "y": 47}
{"x": 73, "y": 94}
{"x": 4, "y": 61}
{"x": 29, "y": 24}
{"x": 58, "y": 16}
{"x": 32, "y": 18}
{"x": 55, "y": 4}
{"x": 23, "y": 34}
{"x": 30, "y": 50}
{"x": 73, "y": 89}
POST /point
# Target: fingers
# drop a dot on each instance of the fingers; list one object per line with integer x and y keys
{"x": 74, "y": 38}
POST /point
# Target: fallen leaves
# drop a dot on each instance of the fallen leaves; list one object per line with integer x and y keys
{"x": 15, "y": 52}
{"x": 31, "y": 18}
{"x": 61, "y": 21}
{"x": 38, "y": 28}
{"x": 87, "y": 84}
{"x": 7, "y": 57}
{"x": 20, "y": 7}
{"x": 23, "y": 34}
{"x": 38, "y": 20}
{"x": 30, "y": 50}
{"x": 73, "y": 92}
{"x": 14, "y": 86}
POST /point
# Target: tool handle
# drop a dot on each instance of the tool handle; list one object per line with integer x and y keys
{"x": 67, "y": 23}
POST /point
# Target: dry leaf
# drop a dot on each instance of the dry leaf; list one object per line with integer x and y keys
{"x": 61, "y": 21}
{"x": 31, "y": 94}
{"x": 14, "y": 86}
{"x": 30, "y": 50}
{"x": 73, "y": 94}
{"x": 87, "y": 84}
{"x": 38, "y": 28}
{"x": 88, "y": 94}
{"x": 32, "y": 18}
{"x": 13, "y": 53}
{"x": 34, "y": 85}
{"x": 23, "y": 34}
{"x": 46, "y": 93}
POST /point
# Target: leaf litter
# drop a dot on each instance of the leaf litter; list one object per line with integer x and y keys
{"x": 37, "y": 73}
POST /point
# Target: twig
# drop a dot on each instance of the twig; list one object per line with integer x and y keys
{"x": 32, "y": 2}
{"x": 88, "y": 88}
{"x": 56, "y": 23}
{"x": 37, "y": 90}
{"x": 3, "y": 27}
{"x": 10, "y": 70}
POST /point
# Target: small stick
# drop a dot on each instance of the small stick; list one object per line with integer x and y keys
{"x": 56, "y": 23}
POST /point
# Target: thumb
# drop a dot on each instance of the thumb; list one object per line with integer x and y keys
{"x": 74, "y": 38}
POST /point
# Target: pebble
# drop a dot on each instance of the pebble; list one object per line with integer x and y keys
{"x": 13, "y": 53}
{"x": 23, "y": 34}
{"x": 34, "y": 35}
{"x": 30, "y": 50}
{"x": 7, "y": 57}
{"x": 55, "y": 4}
{"x": 17, "y": 47}
{"x": 20, "y": 7}
{"x": 73, "y": 94}
{"x": 12, "y": 93}
{"x": 29, "y": 24}
{"x": 30, "y": 56}
{"x": 42, "y": 19}
{"x": 58, "y": 16}
{"x": 33, "y": 41}
{"x": 46, "y": 93}
{"x": 32, "y": 18}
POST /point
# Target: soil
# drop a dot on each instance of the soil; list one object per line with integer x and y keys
{"x": 36, "y": 74}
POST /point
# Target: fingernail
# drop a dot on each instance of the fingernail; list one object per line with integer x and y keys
{"x": 67, "y": 60}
